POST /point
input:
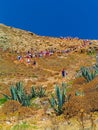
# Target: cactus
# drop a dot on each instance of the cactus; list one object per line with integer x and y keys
{"x": 58, "y": 100}
{"x": 88, "y": 75}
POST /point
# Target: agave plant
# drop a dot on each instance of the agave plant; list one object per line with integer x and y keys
{"x": 41, "y": 92}
{"x": 96, "y": 68}
{"x": 88, "y": 75}
{"x": 33, "y": 92}
{"x": 58, "y": 100}
{"x": 17, "y": 93}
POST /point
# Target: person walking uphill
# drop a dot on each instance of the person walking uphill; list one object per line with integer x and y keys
{"x": 63, "y": 73}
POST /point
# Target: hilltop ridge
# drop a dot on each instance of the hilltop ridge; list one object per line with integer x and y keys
{"x": 17, "y": 39}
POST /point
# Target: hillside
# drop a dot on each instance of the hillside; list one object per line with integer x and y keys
{"x": 16, "y": 39}
{"x": 18, "y": 42}
{"x": 51, "y": 56}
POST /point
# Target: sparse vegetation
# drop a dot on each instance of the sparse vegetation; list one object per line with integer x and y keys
{"x": 18, "y": 93}
{"x": 10, "y": 106}
{"x": 40, "y": 92}
{"x": 96, "y": 68}
{"x": 33, "y": 92}
{"x": 2, "y": 100}
{"x": 23, "y": 126}
{"x": 25, "y": 112}
{"x": 57, "y": 100}
{"x": 30, "y": 102}
{"x": 87, "y": 74}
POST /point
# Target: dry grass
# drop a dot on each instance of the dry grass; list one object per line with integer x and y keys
{"x": 25, "y": 112}
{"x": 10, "y": 107}
{"x": 79, "y": 81}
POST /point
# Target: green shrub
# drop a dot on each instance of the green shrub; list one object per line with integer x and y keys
{"x": 2, "y": 100}
{"x": 23, "y": 126}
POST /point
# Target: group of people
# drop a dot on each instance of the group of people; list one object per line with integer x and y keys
{"x": 30, "y": 56}
{"x": 50, "y": 52}
{"x": 27, "y": 58}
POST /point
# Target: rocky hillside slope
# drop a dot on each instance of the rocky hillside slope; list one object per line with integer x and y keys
{"x": 68, "y": 53}
{"x": 78, "y": 52}
{"x": 20, "y": 40}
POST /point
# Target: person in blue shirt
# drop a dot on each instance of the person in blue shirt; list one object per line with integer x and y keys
{"x": 63, "y": 73}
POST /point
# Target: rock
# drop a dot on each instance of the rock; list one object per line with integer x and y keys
{"x": 37, "y": 101}
{"x": 48, "y": 128}
{"x": 50, "y": 111}
{"x": 44, "y": 103}
{"x": 8, "y": 122}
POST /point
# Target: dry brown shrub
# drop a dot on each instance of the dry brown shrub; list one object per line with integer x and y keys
{"x": 28, "y": 86}
{"x": 88, "y": 103}
{"x": 73, "y": 107}
{"x": 85, "y": 86}
{"x": 10, "y": 106}
{"x": 25, "y": 112}
{"x": 4, "y": 89}
{"x": 92, "y": 100}
{"x": 49, "y": 86}
{"x": 29, "y": 83}
{"x": 91, "y": 85}
{"x": 79, "y": 81}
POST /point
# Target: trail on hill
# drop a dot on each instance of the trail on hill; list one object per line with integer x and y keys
{"x": 52, "y": 71}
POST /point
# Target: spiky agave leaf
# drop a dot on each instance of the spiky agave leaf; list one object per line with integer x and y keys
{"x": 6, "y": 96}
{"x": 87, "y": 74}
{"x": 13, "y": 93}
{"x": 41, "y": 92}
{"x": 59, "y": 96}
{"x": 52, "y": 101}
{"x": 33, "y": 92}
